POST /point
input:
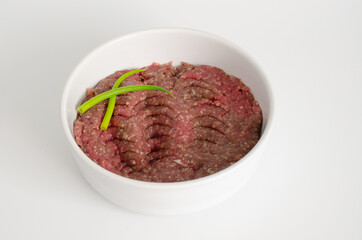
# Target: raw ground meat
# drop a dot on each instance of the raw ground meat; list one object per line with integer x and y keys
{"x": 212, "y": 122}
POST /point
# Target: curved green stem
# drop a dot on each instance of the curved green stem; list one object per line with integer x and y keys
{"x": 112, "y": 100}
{"x": 105, "y": 95}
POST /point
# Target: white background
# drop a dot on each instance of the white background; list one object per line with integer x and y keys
{"x": 309, "y": 183}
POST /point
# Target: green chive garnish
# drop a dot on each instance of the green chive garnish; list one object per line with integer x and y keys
{"x": 105, "y": 95}
{"x": 112, "y": 100}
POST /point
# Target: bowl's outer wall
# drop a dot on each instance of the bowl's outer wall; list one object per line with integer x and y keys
{"x": 168, "y": 201}
{"x": 164, "y": 45}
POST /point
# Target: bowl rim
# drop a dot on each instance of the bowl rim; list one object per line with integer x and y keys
{"x": 167, "y": 185}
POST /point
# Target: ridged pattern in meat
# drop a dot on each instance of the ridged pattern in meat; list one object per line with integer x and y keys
{"x": 212, "y": 122}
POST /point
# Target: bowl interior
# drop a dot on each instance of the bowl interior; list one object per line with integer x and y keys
{"x": 162, "y": 45}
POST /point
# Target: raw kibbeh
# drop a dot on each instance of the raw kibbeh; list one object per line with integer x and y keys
{"x": 211, "y": 123}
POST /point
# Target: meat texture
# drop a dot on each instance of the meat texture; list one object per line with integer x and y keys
{"x": 212, "y": 122}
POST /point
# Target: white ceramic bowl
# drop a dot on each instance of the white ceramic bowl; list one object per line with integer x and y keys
{"x": 163, "y": 45}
